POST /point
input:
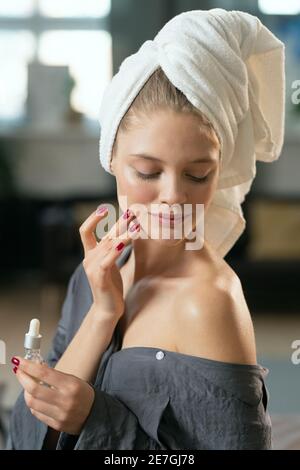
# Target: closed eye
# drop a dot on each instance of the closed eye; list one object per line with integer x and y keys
{"x": 150, "y": 176}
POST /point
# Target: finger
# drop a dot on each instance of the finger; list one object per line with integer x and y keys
{"x": 121, "y": 225}
{"x": 117, "y": 247}
{"x": 46, "y": 419}
{"x": 37, "y": 390}
{"x": 48, "y": 409}
{"x": 88, "y": 227}
{"x": 106, "y": 257}
{"x": 42, "y": 372}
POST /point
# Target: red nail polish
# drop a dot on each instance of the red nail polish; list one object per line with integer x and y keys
{"x": 134, "y": 227}
{"x": 101, "y": 210}
{"x": 120, "y": 246}
{"x": 126, "y": 214}
{"x": 15, "y": 369}
{"x": 15, "y": 361}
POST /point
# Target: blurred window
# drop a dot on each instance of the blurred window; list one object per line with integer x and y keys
{"x": 16, "y": 50}
{"x": 279, "y": 7}
{"x": 54, "y": 32}
{"x": 16, "y": 8}
{"x": 73, "y": 8}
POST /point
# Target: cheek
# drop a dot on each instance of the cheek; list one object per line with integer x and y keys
{"x": 202, "y": 194}
{"x": 135, "y": 190}
{"x": 209, "y": 192}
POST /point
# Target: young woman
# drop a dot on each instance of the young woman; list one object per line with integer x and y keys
{"x": 155, "y": 348}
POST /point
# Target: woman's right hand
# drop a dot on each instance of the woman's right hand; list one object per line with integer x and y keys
{"x": 99, "y": 261}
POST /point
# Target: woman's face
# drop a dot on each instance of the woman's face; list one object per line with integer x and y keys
{"x": 156, "y": 164}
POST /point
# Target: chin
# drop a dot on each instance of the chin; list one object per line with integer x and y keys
{"x": 168, "y": 242}
{"x": 165, "y": 238}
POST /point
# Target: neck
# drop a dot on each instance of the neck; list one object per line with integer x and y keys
{"x": 151, "y": 258}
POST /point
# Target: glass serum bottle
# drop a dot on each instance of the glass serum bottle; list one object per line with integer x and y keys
{"x": 32, "y": 342}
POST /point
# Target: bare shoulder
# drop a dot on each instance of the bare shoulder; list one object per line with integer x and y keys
{"x": 215, "y": 319}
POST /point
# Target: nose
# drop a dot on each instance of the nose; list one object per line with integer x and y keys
{"x": 173, "y": 191}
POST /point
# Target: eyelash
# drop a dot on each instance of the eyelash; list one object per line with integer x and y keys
{"x": 154, "y": 175}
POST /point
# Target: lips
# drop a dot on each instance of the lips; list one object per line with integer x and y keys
{"x": 168, "y": 216}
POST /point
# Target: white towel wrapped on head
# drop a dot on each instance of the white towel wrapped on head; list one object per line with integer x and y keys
{"x": 230, "y": 67}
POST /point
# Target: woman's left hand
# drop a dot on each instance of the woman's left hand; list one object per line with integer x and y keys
{"x": 65, "y": 405}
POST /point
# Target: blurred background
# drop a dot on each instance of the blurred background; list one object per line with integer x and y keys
{"x": 56, "y": 57}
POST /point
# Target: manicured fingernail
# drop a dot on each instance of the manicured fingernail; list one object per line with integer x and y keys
{"x": 134, "y": 227}
{"x": 15, "y": 369}
{"x": 101, "y": 210}
{"x": 120, "y": 246}
{"x": 15, "y": 361}
{"x": 127, "y": 214}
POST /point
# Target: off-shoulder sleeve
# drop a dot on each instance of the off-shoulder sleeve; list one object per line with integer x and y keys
{"x": 185, "y": 402}
{"x": 26, "y": 431}
{"x": 210, "y": 418}
{"x": 227, "y": 411}
{"x": 213, "y": 419}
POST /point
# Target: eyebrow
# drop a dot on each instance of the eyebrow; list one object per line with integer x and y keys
{"x": 149, "y": 157}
